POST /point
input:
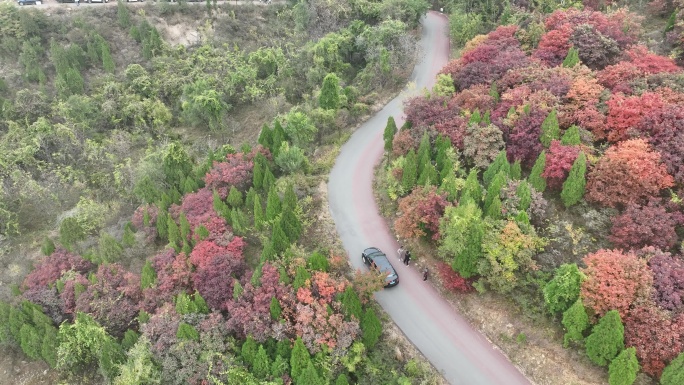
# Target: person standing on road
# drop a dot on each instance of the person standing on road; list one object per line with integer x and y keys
{"x": 407, "y": 257}
{"x": 400, "y": 253}
{"x": 425, "y": 274}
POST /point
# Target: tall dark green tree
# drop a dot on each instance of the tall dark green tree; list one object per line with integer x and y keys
{"x": 330, "y": 92}
{"x": 549, "y": 129}
{"x": 31, "y": 341}
{"x": 174, "y": 234}
{"x": 606, "y": 340}
{"x": 258, "y": 214}
{"x": 234, "y": 198}
{"x": 269, "y": 179}
{"x": 279, "y": 136}
{"x": 472, "y": 189}
{"x": 279, "y": 239}
{"x": 275, "y": 309}
{"x": 429, "y": 175}
{"x": 409, "y": 174}
{"x": 536, "y": 179}
{"x": 249, "y": 350}
{"x": 371, "y": 328}
{"x": 499, "y": 164}
{"x": 389, "y": 133}
{"x": 563, "y": 290}
{"x": 309, "y": 376}
{"x": 424, "y": 153}
{"x": 265, "y": 137}
{"x": 187, "y": 332}
{"x": 148, "y": 276}
{"x": 273, "y": 204}
{"x": 48, "y": 348}
{"x": 524, "y": 193}
{"x": 351, "y": 304}
{"x": 573, "y": 187}
{"x": 494, "y": 189}
{"x": 290, "y": 197}
{"x": 516, "y": 170}
{"x": 299, "y": 358}
{"x": 261, "y": 366}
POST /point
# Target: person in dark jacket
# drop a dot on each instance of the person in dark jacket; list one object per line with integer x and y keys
{"x": 425, "y": 274}
{"x": 407, "y": 257}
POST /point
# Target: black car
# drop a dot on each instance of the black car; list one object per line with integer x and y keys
{"x": 28, "y": 2}
{"x": 376, "y": 259}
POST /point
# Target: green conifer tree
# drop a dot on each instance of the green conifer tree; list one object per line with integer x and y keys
{"x": 500, "y": 163}
{"x": 429, "y": 176}
{"x": 184, "y": 227}
{"x": 674, "y": 372}
{"x": 258, "y": 174}
{"x": 351, "y": 304}
{"x": 409, "y": 174}
{"x": 279, "y": 136}
{"x": 258, "y": 214}
{"x": 256, "y": 276}
{"x": 279, "y": 239}
{"x": 48, "y": 247}
{"x": 301, "y": 276}
{"x": 524, "y": 193}
{"x": 606, "y": 340}
{"x": 269, "y": 179}
{"x": 495, "y": 187}
{"x": 174, "y": 234}
{"x": 273, "y": 204}
{"x": 148, "y": 276}
{"x": 494, "y": 92}
{"x": 48, "y": 349}
{"x": 624, "y": 368}
{"x": 575, "y": 321}
{"x": 486, "y": 118}
{"x": 187, "y": 332}
{"x": 299, "y": 359}
{"x": 318, "y": 261}
{"x": 237, "y": 289}
{"x": 279, "y": 367}
{"x": 31, "y": 341}
{"x": 494, "y": 209}
{"x": 465, "y": 263}
{"x": 184, "y": 304}
{"x": 249, "y": 350}
{"x": 275, "y": 309}
{"x": 128, "y": 238}
{"x": 129, "y": 339}
{"x": 573, "y": 187}
{"x": 516, "y": 170}
{"x": 472, "y": 189}
{"x": 389, "y": 133}
{"x": 342, "y": 380}
{"x": 309, "y": 376}
{"x": 290, "y": 198}
{"x": 475, "y": 117}
{"x": 330, "y": 92}
{"x": 162, "y": 225}
{"x": 536, "y": 179}
{"x": 423, "y": 155}
{"x": 549, "y": 129}
{"x": 571, "y": 137}
{"x": 234, "y": 198}
{"x": 572, "y": 58}
{"x": 450, "y": 185}
{"x": 261, "y": 367}
{"x": 265, "y": 137}
{"x": 249, "y": 197}
{"x": 371, "y": 328}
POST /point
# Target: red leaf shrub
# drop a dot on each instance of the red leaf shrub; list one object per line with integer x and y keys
{"x": 475, "y": 98}
{"x": 452, "y": 280}
{"x": 51, "y": 268}
{"x": 113, "y": 300}
{"x": 640, "y": 226}
{"x": 214, "y": 280}
{"x": 421, "y": 212}
{"x": 523, "y": 142}
{"x": 174, "y": 273}
{"x": 651, "y": 63}
{"x": 205, "y": 250}
{"x": 666, "y": 129}
{"x": 69, "y": 295}
{"x": 614, "y": 281}
{"x": 404, "y": 141}
{"x": 236, "y": 171}
{"x": 668, "y": 281}
{"x": 656, "y": 336}
{"x": 618, "y": 76}
{"x": 198, "y": 207}
{"x": 49, "y": 300}
{"x": 138, "y": 221}
{"x": 559, "y": 160}
{"x": 553, "y": 46}
{"x": 625, "y": 113}
{"x": 453, "y": 128}
{"x": 628, "y": 172}
{"x": 426, "y": 111}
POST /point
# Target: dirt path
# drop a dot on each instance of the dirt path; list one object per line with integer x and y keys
{"x": 457, "y": 350}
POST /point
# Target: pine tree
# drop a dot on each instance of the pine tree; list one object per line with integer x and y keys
{"x": 48, "y": 247}
{"x": 148, "y": 276}
{"x": 494, "y": 209}
{"x": 258, "y": 214}
{"x": 237, "y": 290}
{"x": 249, "y": 350}
{"x": 486, "y": 118}
{"x": 273, "y": 204}
{"x": 571, "y": 137}
{"x": 500, "y": 163}
{"x": 31, "y": 341}
{"x": 162, "y": 225}
{"x": 220, "y": 206}
{"x": 572, "y": 59}
{"x": 200, "y": 304}
{"x": 524, "y": 193}
{"x": 267, "y": 253}
{"x": 283, "y": 349}
{"x": 536, "y": 179}
{"x": 301, "y": 276}
{"x": 450, "y": 186}
{"x": 249, "y": 197}
{"x": 549, "y": 129}
{"x": 318, "y": 261}
{"x": 330, "y": 92}
{"x": 184, "y": 227}
{"x": 234, "y": 198}
{"x": 290, "y": 197}
{"x": 279, "y": 367}
{"x": 48, "y": 348}
{"x": 624, "y": 368}
{"x": 279, "y": 136}
{"x": 606, "y": 339}
{"x": 258, "y": 171}
{"x": 309, "y": 376}
{"x": 279, "y": 239}
{"x": 269, "y": 179}
{"x": 475, "y": 118}
{"x": 410, "y": 172}
{"x": 429, "y": 176}
{"x": 275, "y": 309}
{"x": 174, "y": 234}
{"x": 351, "y": 304}
{"x": 238, "y": 221}
{"x": 573, "y": 187}
{"x": 129, "y": 339}
{"x": 494, "y": 92}
{"x": 495, "y": 187}
{"x": 184, "y": 304}
{"x": 371, "y": 328}
{"x": 17, "y": 319}
{"x": 472, "y": 189}
{"x": 516, "y": 170}
{"x": 265, "y": 137}
{"x": 256, "y": 275}
{"x": 389, "y": 133}
{"x": 465, "y": 263}
{"x": 187, "y": 332}
{"x": 575, "y": 321}
{"x": 261, "y": 367}
{"x": 674, "y": 372}
{"x": 299, "y": 359}
{"x": 423, "y": 155}
{"x": 128, "y": 238}
{"x": 201, "y": 232}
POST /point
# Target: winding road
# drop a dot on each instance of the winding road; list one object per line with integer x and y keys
{"x": 458, "y": 351}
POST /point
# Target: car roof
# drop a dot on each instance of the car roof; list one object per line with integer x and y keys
{"x": 382, "y": 262}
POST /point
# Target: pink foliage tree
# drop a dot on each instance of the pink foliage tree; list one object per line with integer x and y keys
{"x": 640, "y": 226}
{"x": 51, "y": 268}
{"x": 668, "y": 280}
{"x": 559, "y": 160}
{"x": 236, "y": 171}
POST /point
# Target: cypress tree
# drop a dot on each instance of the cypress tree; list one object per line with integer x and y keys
{"x": 450, "y": 186}
{"x": 572, "y": 58}
{"x": 410, "y": 172}
{"x": 269, "y": 179}
{"x": 200, "y": 303}
{"x": 279, "y": 239}
{"x": 549, "y": 129}
{"x": 289, "y": 197}
{"x": 494, "y": 92}
{"x": 351, "y": 304}
{"x": 283, "y": 349}
{"x": 249, "y": 197}
{"x": 571, "y": 137}
{"x": 342, "y": 380}
{"x": 446, "y": 169}
{"x": 494, "y": 209}
{"x": 429, "y": 176}
{"x": 423, "y": 155}
{"x": 389, "y": 133}
{"x": 279, "y": 366}
{"x": 258, "y": 214}
{"x": 299, "y": 359}
{"x": 575, "y": 321}
{"x": 486, "y": 119}
{"x": 371, "y": 328}
{"x": 256, "y": 276}
{"x": 237, "y": 290}
{"x": 301, "y": 276}
{"x": 249, "y": 350}
{"x": 516, "y": 170}
{"x": 465, "y": 262}
{"x": 110, "y": 357}
{"x": 318, "y": 261}
{"x": 524, "y": 193}
{"x": 472, "y": 189}
{"x": 187, "y": 332}
{"x": 475, "y": 118}
{"x": 31, "y": 341}
{"x": 261, "y": 367}
{"x": 184, "y": 304}
{"x": 273, "y": 204}
{"x": 202, "y": 232}
{"x": 238, "y": 221}
{"x": 265, "y": 137}
{"x": 5, "y": 310}
{"x": 48, "y": 247}
{"x": 606, "y": 339}
{"x": 234, "y": 198}
{"x": 536, "y": 179}
{"x": 221, "y": 207}
{"x": 309, "y": 376}
{"x": 258, "y": 174}
{"x": 279, "y": 137}
{"x": 189, "y": 185}
{"x": 129, "y": 339}
{"x": 162, "y": 225}
{"x": 267, "y": 253}
{"x": 624, "y": 368}
{"x": 17, "y": 319}
{"x": 48, "y": 348}
{"x": 495, "y": 187}
{"x": 184, "y": 227}
{"x": 275, "y": 309}
{"x": 573, "y": 187}
{"x": 500, "y": 163}
{"x": 148, "y": 276}
{"x": 674, "y": 372}
{"x": 128, "y": 238}
{"x": 174, "y": 234}
{"x": 330, "y": 92}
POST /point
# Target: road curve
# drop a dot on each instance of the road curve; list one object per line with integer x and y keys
{"x": 458, "y": 351}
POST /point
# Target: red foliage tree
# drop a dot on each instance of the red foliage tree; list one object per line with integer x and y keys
{"x": 205, "y": 250}
{"x": 452, "y": 280}
{"x": 615, "y": 281}
{"x": 522, "y": 143}
{"x": 404, "y": 141}
{"x": 453, "y": 128}
{"x": 236, "y": 171}
{"x": 198, "y": 207}
{"x": 668, "y": 281}
{"x": 214, "y": 280}
{"x": 651, "y": 63}
{"x": 51, "y": 268}
{"x": 475, "y": 98}
{"x": 640, "y": 226}
{"x": 657, "y": 337}
{"x": 426, "y": 111}
{"x": 113, "y": 299}
{"x": 666, "y": 129}
{"x": 421, "y": 212}
{"x": 324, "y": 287}
{"x": 629, "y": 172}
{"x": 49, "y": 300}
{"x": 138, "y": 221}
{"x": 174, "y": 273}
{"x": 559, "y": 160}
{"x": 625, "y": 113}
{"x": 553, "y": 46}
{"x": 618, "y": 76}
{"x": 69, "y": 293}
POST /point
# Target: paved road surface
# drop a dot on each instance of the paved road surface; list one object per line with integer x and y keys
{"x": 461, "y": 353}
